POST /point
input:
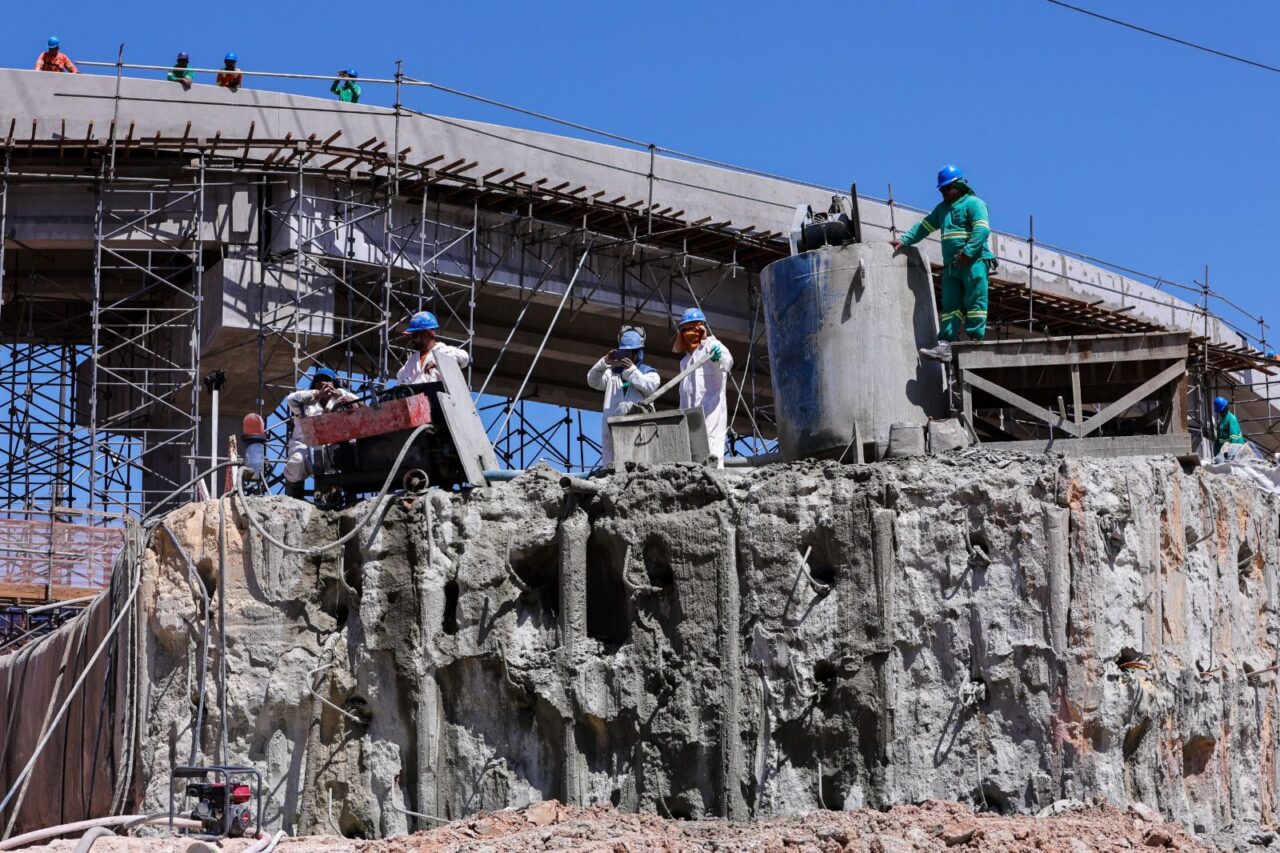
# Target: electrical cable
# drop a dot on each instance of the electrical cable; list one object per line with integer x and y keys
{"x": 351, "y": 534}
{"x": 1193, "y": 45}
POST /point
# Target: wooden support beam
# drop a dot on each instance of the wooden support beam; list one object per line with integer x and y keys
{"x": 1143, "y": 391}
{"x": 967, "y": 377}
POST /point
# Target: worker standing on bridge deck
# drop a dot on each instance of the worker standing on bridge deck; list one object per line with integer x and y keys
{"x": 179, "y": 73}
{"x": 346, "y": 87}
{"x": 1228, "y": 426}
{"x": 421, "y": 366}
{"x": 962, "y": 216}
{"x": 53, "y": 59}
{"x": 625, "y": 380}
{"x": 323, "y": 394}
{"x": 705, "y": 387}
{"x": 230, "y": 77}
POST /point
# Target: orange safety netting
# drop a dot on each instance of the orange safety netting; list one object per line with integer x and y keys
{"x": 42, "y": 551}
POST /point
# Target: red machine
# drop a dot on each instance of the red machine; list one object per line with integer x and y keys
{"x": 354, "y": 450}
{"x": 366, "y": 421}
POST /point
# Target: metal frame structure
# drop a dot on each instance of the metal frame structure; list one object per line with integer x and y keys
{"x": 102, "y": 401}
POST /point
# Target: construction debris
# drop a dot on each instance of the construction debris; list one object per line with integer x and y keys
{"x": 603, "y": 829}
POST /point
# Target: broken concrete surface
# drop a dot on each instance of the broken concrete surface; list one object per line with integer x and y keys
{"x": 548, "y": 825}
{"x": 1005, "y": 631}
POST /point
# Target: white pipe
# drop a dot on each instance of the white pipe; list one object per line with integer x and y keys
{"x": 213, "y": 446}
{"x": 70, "y": 602}
{"x": 113, "y": 820}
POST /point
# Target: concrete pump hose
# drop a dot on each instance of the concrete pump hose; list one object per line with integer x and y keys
{"x": 86, "y": 840}
{"x": 267, "y": 844}
{"x": 369, "y": 514}
{"x": 81, "y": 825}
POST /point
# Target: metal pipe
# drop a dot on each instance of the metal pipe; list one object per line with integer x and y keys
{"x": 503, "y": 476}
{"x": 580, "y": 486}
{"x": 213, "y": 444}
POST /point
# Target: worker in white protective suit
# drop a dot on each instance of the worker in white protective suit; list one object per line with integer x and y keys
{"x": 625, "y": 379}
{"x": 705, "y": 387}
{"x": 323, "y": 394}
{"x": 421, "y": 366}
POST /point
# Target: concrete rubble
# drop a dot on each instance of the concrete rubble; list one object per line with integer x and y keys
{"x": 548, "y": 825}
{"x": 1008, "y": 632}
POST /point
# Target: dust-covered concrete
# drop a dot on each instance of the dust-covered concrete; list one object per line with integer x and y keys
{"x": 1004, "y": 631}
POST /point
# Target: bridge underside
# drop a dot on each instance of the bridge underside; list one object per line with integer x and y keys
{"x": 134, "y": 263}
{"x": 182, "y": 262}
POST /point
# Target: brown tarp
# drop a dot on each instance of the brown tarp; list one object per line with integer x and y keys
{"x": 78, "y": 772}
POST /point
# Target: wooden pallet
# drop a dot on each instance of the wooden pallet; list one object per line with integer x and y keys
{"x": 32, "y": 594}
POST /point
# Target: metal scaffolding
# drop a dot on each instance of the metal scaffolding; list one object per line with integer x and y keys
{"x": 277, "y": 256}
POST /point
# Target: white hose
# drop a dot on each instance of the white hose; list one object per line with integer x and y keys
{"x": 86, "y": 841}
{"x": 320, "y": 549}
{"x": 266, "y": 843}
{"x": 114, "y": 820}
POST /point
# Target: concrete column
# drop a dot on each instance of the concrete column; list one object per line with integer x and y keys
{"x": 844, "y": 324}
{"x": 884, "y": 560}
{"x": 732, "y": 804}
{"x": 427, "y": 718}
{"x": 1058, "y": 570}
{"x": 574, "y": 531}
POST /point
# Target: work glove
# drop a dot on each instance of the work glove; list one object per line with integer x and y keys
{"x": 716, "y": 352}
{"x": 964, "y": 261}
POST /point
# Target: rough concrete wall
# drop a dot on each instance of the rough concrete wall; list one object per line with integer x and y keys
{"x": 1007, "y": 631}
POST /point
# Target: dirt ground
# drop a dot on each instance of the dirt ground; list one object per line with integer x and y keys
{"x": 932, "y": 826}
{"x": 1076, "y": 828}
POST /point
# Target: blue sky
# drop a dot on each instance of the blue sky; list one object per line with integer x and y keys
{"x": 1122, "y": 146}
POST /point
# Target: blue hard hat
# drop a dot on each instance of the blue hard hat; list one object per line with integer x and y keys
{"x": 231, "y": 56}
{"x": 692, "y": 315}
{"x": 1219, "y": 404}
{"x": 322, "y": 374}
{"x": 630, "y": 339}
{"x": 54, "y": 41}
{"x": 351, "y": 72}
{"x": 184, "y": 55}
{"x": 1271, "y": 353}
{"x": 423, "y": 321}
{"x": 949, "y": 174}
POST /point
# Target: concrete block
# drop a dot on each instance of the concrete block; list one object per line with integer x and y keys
{"x": 657, "y": 438}
{"x": 947, "y": 435}
{"x": 905, "y": 439}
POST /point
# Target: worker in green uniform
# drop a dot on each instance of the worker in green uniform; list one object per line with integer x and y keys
{"x": 962, "y": 218}
{"x": 1228, "y": 426}
{"x": 180, "y": 73}
{"x": 346, "y": 87}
